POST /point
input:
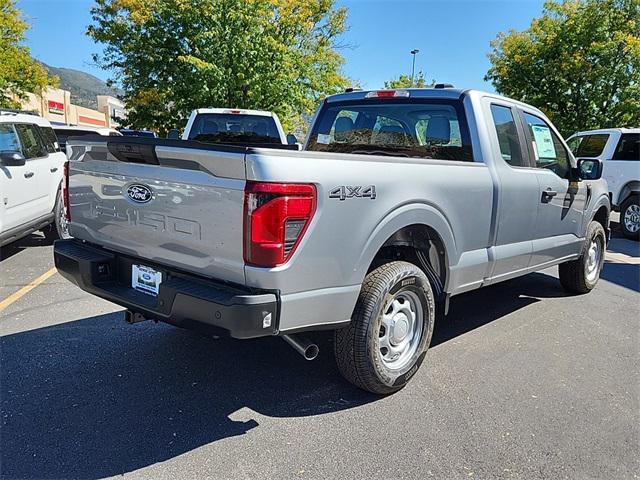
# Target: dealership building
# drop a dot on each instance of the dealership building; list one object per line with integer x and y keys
{"x": 55, "y": 105}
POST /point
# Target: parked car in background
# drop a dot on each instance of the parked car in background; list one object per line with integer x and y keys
{"x": 403, "y": 199}
{"x": 65, "y": 131}
{"x": 31, "y": 173}
{"x": 128, "y": 132}
{"x": 619, "y": 150}
{"x": 235, "y": 126}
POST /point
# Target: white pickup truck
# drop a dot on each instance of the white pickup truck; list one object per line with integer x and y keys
{"x": 619, "y": 150}
{"x": 233, "y": 126}
{"x": 31, "y": 171}
{"x": 401, "y": 200}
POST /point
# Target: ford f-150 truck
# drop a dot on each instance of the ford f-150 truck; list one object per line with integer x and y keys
{"x": 400, "y": 200}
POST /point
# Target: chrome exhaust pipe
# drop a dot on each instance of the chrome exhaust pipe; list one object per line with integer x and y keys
{"x": 304, "y": 347}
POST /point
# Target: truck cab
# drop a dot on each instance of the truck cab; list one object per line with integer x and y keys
{"x": 619, "y": 150}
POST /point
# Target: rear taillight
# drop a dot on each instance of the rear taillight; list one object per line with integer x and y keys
{"x": 276, "y": 215}
{"x": 65, "y": 192}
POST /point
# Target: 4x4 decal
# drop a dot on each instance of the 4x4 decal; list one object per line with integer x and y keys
{"x": 347, "y": 191}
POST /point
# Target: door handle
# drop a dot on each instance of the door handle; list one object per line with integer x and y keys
{"x": 547, "y": 195}
{"x": 53, "y": 170}
{"x": 28, "y": 175}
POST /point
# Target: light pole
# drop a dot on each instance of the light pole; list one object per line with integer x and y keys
{"x": 413, "y": 68}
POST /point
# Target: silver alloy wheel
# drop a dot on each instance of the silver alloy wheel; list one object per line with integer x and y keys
{"x": 400, "y": 330}
{"x": 62, "y": 219}
{"x": 632, "y": 218}
{"x": 594, "y": 257}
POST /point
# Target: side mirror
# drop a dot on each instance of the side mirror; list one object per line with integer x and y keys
{"x": 589, "y": 168}
{"x": 174, "y": 134}
{"x": 10, "y": 158}
{"x": 291, "y": 139}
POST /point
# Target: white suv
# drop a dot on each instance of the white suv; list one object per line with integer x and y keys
{"x": 619, "y": 150}
{"x": 31, "y": 172}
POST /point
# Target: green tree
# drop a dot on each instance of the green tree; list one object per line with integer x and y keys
{"x": 19, "y": 73}
{"x": 579, "y": 63}
{"x": 171, "y": 56}
{"x": 404, "y": 81}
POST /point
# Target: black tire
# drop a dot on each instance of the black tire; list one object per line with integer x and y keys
{"x": 573, "y": 275}
{"x": 356, "y": 346}
{"x": 58, "y": 228}
{"x": 632, "y": 202}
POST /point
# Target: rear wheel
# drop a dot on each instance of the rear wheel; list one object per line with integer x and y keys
{"x": 59, "y": 228}
{"x": 390, "y": 330}
{"x": 630, "y": 217}
{"x": 581, "y": 275}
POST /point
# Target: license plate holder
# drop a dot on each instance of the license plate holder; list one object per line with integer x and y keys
{"x": 145, "y": 279}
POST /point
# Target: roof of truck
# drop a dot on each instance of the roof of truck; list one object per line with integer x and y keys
{"x": 236, "y": 111}
{"x": 607, "y": 130}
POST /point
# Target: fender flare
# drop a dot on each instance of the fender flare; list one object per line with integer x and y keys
{"x": 404, "y": 216}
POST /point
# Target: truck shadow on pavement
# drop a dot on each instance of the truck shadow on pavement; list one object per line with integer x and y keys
{"x": 97, "y": 397}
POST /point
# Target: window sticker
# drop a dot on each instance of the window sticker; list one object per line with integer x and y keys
{"x": 543, "y": 142}
{"x": 324, "y": 139}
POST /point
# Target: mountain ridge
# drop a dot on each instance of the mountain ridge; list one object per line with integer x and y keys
{"x": 83, "y": 86}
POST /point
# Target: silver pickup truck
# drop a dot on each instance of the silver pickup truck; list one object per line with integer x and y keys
{"x": 400, "y": 200}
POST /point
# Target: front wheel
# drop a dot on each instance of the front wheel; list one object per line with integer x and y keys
{"x": 390, "y": 330}
{"x": 630, "y": 217}
{"x": 59, "y": 228}
{"x": 581, "y": 275}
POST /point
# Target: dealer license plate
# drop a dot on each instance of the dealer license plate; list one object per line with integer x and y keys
{"x": 145, "y": 279}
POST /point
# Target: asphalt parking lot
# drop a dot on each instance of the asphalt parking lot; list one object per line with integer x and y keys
{"x": 522, "y": 381}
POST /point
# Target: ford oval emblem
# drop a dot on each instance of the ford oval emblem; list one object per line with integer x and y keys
{"x": 139, "y": 193}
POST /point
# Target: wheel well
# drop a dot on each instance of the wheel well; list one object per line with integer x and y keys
{"x": 418, "y": 244}
{"x": 602, "y": 217}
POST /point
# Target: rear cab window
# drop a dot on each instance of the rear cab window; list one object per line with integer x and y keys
{"x": 418, "y": 127}
{"x": 232, "y": 128}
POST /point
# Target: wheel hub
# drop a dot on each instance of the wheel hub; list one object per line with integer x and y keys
{"x": 632, "y": 218}
{"x": 594, "y": 255}
{"x": 400, "y": 329}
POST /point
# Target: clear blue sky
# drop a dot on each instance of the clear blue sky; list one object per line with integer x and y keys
{"x": 452, "y": 36}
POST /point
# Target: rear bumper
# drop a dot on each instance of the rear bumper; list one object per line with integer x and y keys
{"x": 183, "y": 300}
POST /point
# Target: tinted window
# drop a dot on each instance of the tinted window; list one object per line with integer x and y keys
{"x": 548, "y": 150}
{"x": 628, "y": 147}
{"x": 63, "y": 134}
{"x": 425, "y": 128}
{"x": 31, "y": 139}
{"x": 507, "y": 135}
{"x": 588, "y": 145}
{"x": 49, "y": 138}
{"x": 231, "y": 128}
{"x": 9, "y": 138}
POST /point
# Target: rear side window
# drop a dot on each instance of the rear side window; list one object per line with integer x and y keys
{"x": 628, "y": 147}
{"x": 32, "y": 143}
{"x": 589, "y": 145}
{"x": 423, "y": 128}
{"x": 233, "y": 128}
{"x": 9, "y": 141}
{"x": 50, "y": 139}
{"x": 548, "y": 150}
{"x": 510, "y": 147}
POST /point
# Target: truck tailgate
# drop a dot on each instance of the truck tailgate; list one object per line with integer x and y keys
{"x": 172, "y": 203}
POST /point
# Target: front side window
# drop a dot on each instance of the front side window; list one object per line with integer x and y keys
{"x": 548, "y": 150}
{"x": 590, "y": 146}
{"x": 9, "y": 141}
{"x": 423, "y": 128}
{"x": 32, "y": 144}
{"x": 628, "y": 147}
{"x": 50, "y": 139}
{"x": 507, "y": 135}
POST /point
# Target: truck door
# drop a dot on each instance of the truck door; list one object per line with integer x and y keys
{"x": 561, "y": 203}
{"x": 15, "y": 183}
{"x": 516, "y": 192}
